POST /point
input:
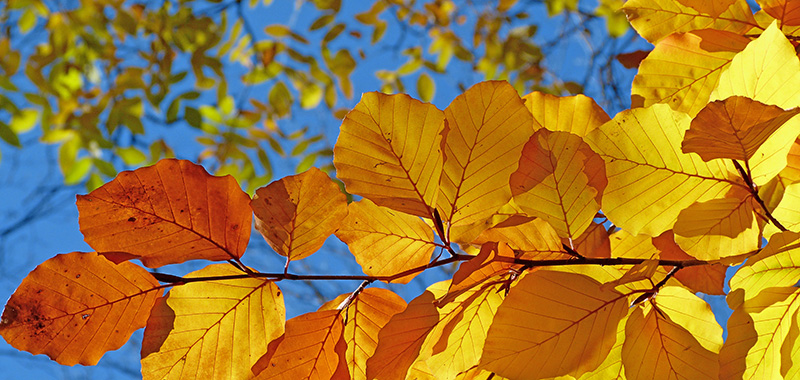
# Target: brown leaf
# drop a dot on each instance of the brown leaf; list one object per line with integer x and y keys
{"x": 167, "y": 213}
{"x": 75, "y": 307}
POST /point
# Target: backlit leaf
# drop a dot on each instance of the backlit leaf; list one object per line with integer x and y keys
{"x": 561, "y": 180}
{"x": 660, "y": 347}
{"x": 386, "y": 242}
{"x": 718, "y": 228}
{"x": 756, "y": 331}
{"x": 650, "y": 181}
{"x": 312, "y": 348}
{"x": 777, "y": 264}
{"x": 75, "y": 307}
{"x": 215, "y": 328}
{"x": 552, "y": 324}
{"x": 167, "y": 213}
{"x": 708, "y": 279}
{"x": 479, "y": 269}
{"x": 577, "y": 114}
{"x": 787, "y": 11}
{"x": 767, "y": 70}
{"x": 487, "y": 128}
{"x": 733, "y": 128}
{"x": 684, "y": 68}
{"x": 389, "y": 151}
{"x": 363, "y": 320}
{"x": 656, "y": 19}
{"x": 534, "y": 240}
{"x": 297, "y": 213}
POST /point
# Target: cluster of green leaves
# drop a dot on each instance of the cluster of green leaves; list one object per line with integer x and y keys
{"x": 102, "y": 76}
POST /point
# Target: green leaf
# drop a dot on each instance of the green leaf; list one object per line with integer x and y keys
{"x": 131, "y": 156}
{"x": 27, "y": 20}
{"x": 277, "y": 30}
{"x": 94, "y": 182}
{"x": 425, "y": 87}
{"x": 280, "y": 99}
{"x": 321, "y": 21}
{"x": 334, "y": 32}
{"x": 78, "y": 171}
{"x": 24, "y": 121}
{"x": 306, "y": 163}
{"x": 192, "y": 116}
{"x": 211, "y": 113}
{"x": 8, "y": 135}
{"x": 172, "y": 110}
{"x": 310, "y": 96}
{"x": 105, "y": 167}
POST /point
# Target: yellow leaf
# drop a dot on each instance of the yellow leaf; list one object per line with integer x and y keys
{"x": 312, "y": 348}
{"x": 551, "y": 324}
{"x": 167, "y": 213}
{"x": 386, "y": 242}
{"x": 487, "y": 128}
{"x": 642, "y": 271}
{"x": 778, "y": 264}
{"x": 756, "y": 331}
{"x": 425, "y": 87}
{"x": 297, "y": 213}
{"x": 767, "y": 70}
{"x": 649, "y": 179}
{"x": 389, "y": 151}
{"x": 561, "y": 180}
{"x": 215, "y": 328}
{"x": 463, "y": 335}
{"x": 683, "y": 69}
{"x": 791, "y": 349}
{"x": 534, "y": 240}
{"x": 718, "y": 228}
{"x": 400, "y": 340}
{"x": 708, "y": 279}
{"x": 611, "y": 367}
{"x": 788, "y": 211}
{"x": 733, "y": 128}
{"x": 364, "y": 318}
{"x": 77, "y": 306}
{"x": 659, "y": 347}
{"x": 692, "y": 313}
{"x": 479, "y": 269}
{"x": 624, "y": 244}
{"x": 656, "y": 19}
{"x": 577, "y": 114}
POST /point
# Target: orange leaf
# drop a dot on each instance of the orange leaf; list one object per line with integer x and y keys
{"x": 389, "y": 151}
{"x": 297, "y": 213}
{"x": 561, "y": 180}
{"x": 215, "y": 328}
{"x": 75, "y": 307}
{"x": 364, "y": 318}
{"x": 594, "y": 242}
{"x": 733, "y": 128}
{"x": 711, "y": 8}
{"x": 788, "y": 11}
{"x": 633, "y": 59}
{"x": 708, "y": 279}
{"x": 487, "y": 127}
{"x": 534, "y": 240}
{"x": 553, "y": 324}
{"x": 577, "y": 114}
{"x": 167, "y": 213}
{"x": 386, "y": 242}
{"x": 479, "y": 269}
{"x": 312, "y": 348}
{"x": 656, "y": 19}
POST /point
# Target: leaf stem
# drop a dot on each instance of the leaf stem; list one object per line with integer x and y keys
{"x": 754, "y": 192}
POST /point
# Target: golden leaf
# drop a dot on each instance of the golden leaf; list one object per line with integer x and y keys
{"x": 683, "y": 69}
{"x": 787, "y": 11}
{"x": 167, "y": 213}
{"x": 533, "y": 240}
{"x": 487, "y": 128}
{"x": 389, "y": 151}
{"x": 297, "y": 213}
{"x": 650, "y": 181}
{"x": 577, "y": 114}
{"x": 561, "y": 180}
{"x": 312, "y": 348}
{"x": 217, "y": 329}
{"x": 363, "y": 320}
{"x": 656, "y": 19}
{"x": 708, "y": 279}
{"x": 777, "y": 264}
{"x": 386, "y": 242}
{"x": 77, "y": 306}
{"x": 551, "y": 324}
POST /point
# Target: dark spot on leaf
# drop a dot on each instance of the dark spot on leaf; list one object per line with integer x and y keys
{"x": 78, "y": 275}
{"x": 131, "y": 219}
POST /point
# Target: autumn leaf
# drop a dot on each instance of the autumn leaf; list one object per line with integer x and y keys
{"x": 594, "y": 242}
{"x": 650, "y": 181}
{"x": 733, "y": 128}
{"x": 577, "y": 114}
{"x": 297, "y": 213}
{"x": 552, "y": 324}
{"x": 656, "y": 19}
{"x": 487, "y": 128}
{"x": 363, "y": 320}
{"x": 312, "y": 348}
{"x": 75, "y": 307}
{"x": 658, "y": 346}
{"x": 708, "y": 279}
{"x": 767, "y": 70}
{"x": 684, "y": 68}
{"x": 386, "y": 242}
{"x": 756, "y": 331}
{"x": 389, "y": 151}
{"x": 217, "y": 328}
{"x": 533, "y": 240}
{"x": 167, "y": 213}
{"x": 776, "y": 265}
{"x": 787, "y": 11}
{"x": 479, "y": 269}
{"x": 561, "y": 180}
